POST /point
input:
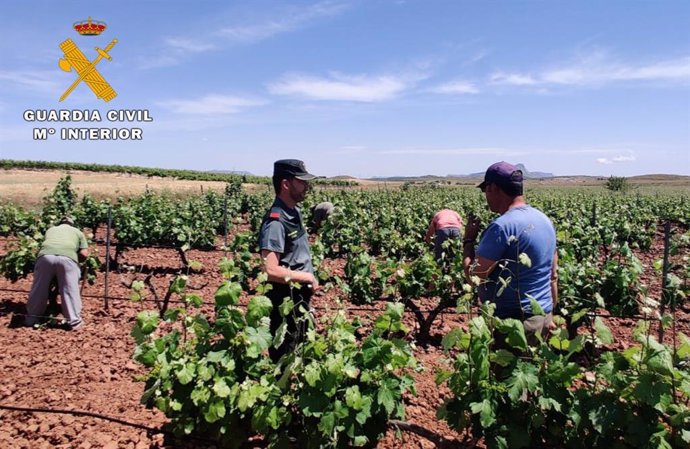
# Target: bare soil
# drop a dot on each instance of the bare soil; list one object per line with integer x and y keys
{"x": 91, "y": 370}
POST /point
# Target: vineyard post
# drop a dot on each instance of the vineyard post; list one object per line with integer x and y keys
{"x": 594, "y": 214}
{"x": 225, "y": 224}
{"x": 665, "y": 294}
{"x": 107, "y": 254}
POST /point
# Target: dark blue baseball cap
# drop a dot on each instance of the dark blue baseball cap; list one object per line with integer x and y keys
{"x": 504, "y": 175}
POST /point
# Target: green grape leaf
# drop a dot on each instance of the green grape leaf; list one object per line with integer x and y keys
{"x": 485, "y": 410}
{"x": 258, "y": 307}
{"x": 514, "y": 332}
{"x": 221, "y": 389}
{"x": 603, "y": 332}
{"x": 147, "y": 321}
{"x": 259, "y": 338}
{"x": 228, "y": 294}
{"x": 214, "y": 411}
{"x": 386, "y": 397}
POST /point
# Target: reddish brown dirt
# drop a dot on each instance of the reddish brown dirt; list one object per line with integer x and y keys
{"x": 91, "y": 370}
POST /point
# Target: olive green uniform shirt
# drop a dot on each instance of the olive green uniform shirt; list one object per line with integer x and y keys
{"x": 63, "y": 240}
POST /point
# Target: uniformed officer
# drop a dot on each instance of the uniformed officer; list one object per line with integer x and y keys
{"x": 285, "y": 251}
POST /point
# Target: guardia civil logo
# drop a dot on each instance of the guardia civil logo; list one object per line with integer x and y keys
{"x": 72, "y": 123}
{"x": 74, "y": 59}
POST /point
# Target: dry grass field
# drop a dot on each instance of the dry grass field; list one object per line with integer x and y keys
{"x": 28, "y": 187}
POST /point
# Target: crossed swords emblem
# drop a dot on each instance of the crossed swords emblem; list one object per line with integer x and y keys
{"x": 74, "y": 58}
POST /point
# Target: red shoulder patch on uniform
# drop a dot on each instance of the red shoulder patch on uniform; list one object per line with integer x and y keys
{"x": 274, "y": 215}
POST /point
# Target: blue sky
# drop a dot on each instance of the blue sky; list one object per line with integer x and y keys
{"x": 364, "y": 88}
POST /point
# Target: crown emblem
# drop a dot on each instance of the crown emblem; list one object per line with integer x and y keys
{"x": 89, "y": 27}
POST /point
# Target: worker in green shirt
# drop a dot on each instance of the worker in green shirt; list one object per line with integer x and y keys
{"x": 63, "y": 248}
{"x": 319, "y": 214}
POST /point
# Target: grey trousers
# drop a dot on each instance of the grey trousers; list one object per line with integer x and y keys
{"x": 67, "y": 272}
{"x": 538, "y": 324}
{"x": 442, "y": 235}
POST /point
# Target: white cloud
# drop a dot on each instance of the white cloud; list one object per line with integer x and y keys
{"x": 598, "y": 68}
{"x": 456, "y": 87}
{"x": 158, "y": 61}
{"x": 624, "y": 159}
{"x": 601, "y": 71}
{"x": 617, "y": 159}
{"x": 489, "y": 151}
{"x": 253, "y": 33}
{"x": 213, "y": 104}
{"x": 671, "y": 70}
{"x": 513, "y": 79}
{"x": 176, "y": 48}
{"x": 480, "y": 55}
{"x": 339, "y": 87}
{"x": 287, "y": 22}
{"x": 189, "y": 45}
{"x": 34, "y": 80}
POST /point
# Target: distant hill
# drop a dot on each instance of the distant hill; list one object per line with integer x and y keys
{"x": 526, "y": 173}
{"x": 660, "y": 177}
{"x": 654, "y": 179}
{"x": 430, "y": 178}
{"x": 425, "y": 178}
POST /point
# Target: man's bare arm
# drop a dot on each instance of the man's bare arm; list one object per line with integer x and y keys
{"x": 430, "y": 232}
{"x": 554, "y": 279}
{"x": 283, "y": 275}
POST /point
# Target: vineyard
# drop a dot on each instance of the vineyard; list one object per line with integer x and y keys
{"x": 399, "y": 353}
{"x": 7, "y": 164}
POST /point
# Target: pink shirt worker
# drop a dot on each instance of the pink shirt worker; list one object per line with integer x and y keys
{"x": 446, "y": 224}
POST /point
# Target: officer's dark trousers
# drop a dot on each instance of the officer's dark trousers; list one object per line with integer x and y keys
{"x": 296, "y": 326}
